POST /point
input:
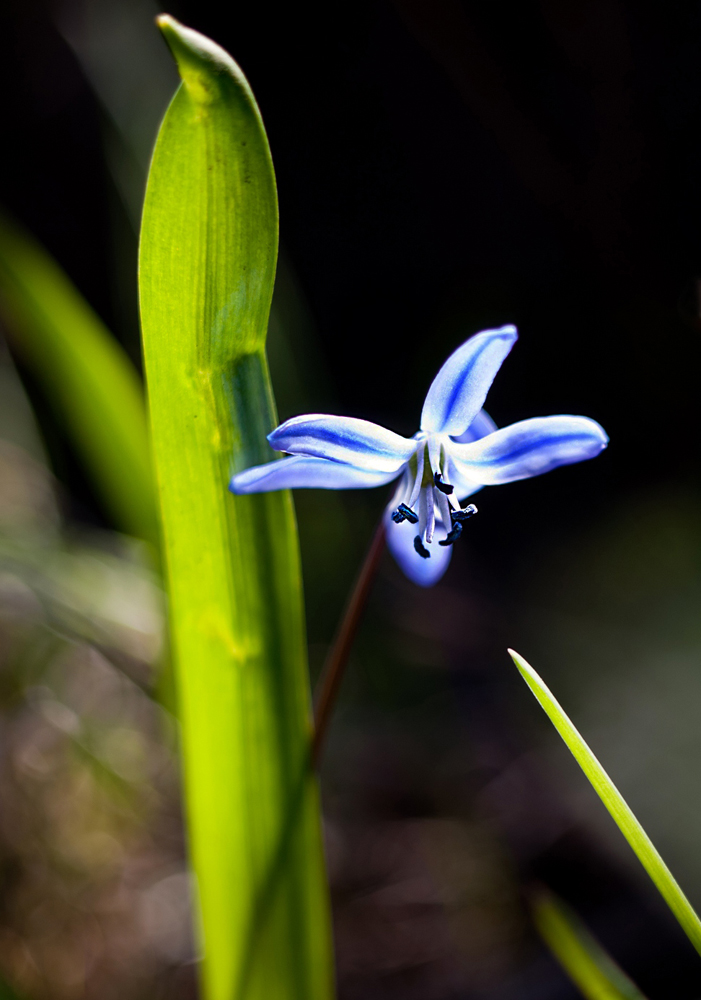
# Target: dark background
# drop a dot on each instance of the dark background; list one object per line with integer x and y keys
{"x": 444, "y": 167}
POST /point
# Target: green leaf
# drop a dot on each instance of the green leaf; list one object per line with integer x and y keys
{"x": 581, "y": 956}
{"x": 207, "y": 265}
{"x": 89, "y": 379}
{"x": 6, "y": 991}
{"x": 629, "y": 826}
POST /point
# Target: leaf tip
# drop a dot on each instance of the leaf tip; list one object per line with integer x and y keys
{"x": 170, "y": 29}
{"x": 525, "y": 669}
{"x": 518, "y": 659}
{"x": 199, "y": 59}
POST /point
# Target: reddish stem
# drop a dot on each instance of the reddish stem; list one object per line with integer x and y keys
{"x": 331, "y": 675}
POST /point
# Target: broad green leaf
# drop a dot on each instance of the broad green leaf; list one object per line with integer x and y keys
{"x": 207, "y": 265}
{"x": 581, "y": 956}
{"x": 629, "y": 826}
{"x": 89, "y": 379}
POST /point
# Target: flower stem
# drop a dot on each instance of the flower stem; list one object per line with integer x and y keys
{"x": 331, "y": 676}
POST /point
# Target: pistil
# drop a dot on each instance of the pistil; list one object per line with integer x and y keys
{"x": 429, "y": 490}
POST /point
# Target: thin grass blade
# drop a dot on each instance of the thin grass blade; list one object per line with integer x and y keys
{"x": 581, "y": 956}
{"x": 92, "y": 384}
{"x": 647, "y": 853}
{"x": 207, "y": 265}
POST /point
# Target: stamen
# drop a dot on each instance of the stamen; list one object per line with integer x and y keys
{"x": 453, "y": 534}
{"x": 434, "y": 453}
{"x": 411, "y": 502}
{"x": 404, "y": 513}
{"x": 443, "y": 487}
{"x": 430, "y": 513}
{"x": 421, "y": 548}
{"x": 449, "y": 470}
{"x": 443, "y": 509}
{"x": 423, "y": 513}
{"x": 464, "y": 514}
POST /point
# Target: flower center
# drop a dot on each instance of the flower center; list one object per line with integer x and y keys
{"x": 425, "y": 488}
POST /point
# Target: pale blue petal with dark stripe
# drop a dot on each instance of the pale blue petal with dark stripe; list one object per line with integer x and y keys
{"x": 479, "y": 428}
{"x": 529, "y": 448}
{"x": 301, "y": 472}
{"x": 343, "y": 439}
{"x": 463, "y": 485}
{"x": 460, "y": 388}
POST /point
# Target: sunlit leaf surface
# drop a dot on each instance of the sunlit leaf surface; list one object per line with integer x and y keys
{"x": 207, "y": 264}
{"x": 629, "y": 826}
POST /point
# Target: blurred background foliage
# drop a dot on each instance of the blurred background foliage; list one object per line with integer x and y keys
{"x": 442, "y": 166}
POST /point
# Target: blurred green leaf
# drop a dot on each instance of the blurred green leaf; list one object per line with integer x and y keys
{"x": 581, "y": 956}
{"x": 86, "y": 375}
{"x": 629, "y": 826}
{"x": 6, "y": 991}
{"x": 207, "y": 265}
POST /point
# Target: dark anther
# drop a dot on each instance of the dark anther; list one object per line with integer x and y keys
{"x": 453, "y": 534}
{"x": 462, "y": 515}
{"x": 404, "y": 513}
{"x": 443, "y": 487}
{"x": 421, "y": 548}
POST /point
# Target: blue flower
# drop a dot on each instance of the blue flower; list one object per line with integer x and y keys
{"x": 457, "y": 451}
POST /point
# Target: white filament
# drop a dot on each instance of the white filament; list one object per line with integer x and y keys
{"x": 419, "y": 474}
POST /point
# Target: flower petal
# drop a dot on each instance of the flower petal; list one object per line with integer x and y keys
{"x": 301, "y": 472}
{"x": 529, "y": 448}
{"x": 479, "y": 428}
{"x": 400, "y": 542}
{"x": 463, "y": 485}
{"x": 343, "y": 439}
{"x": 461, "y": 386}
